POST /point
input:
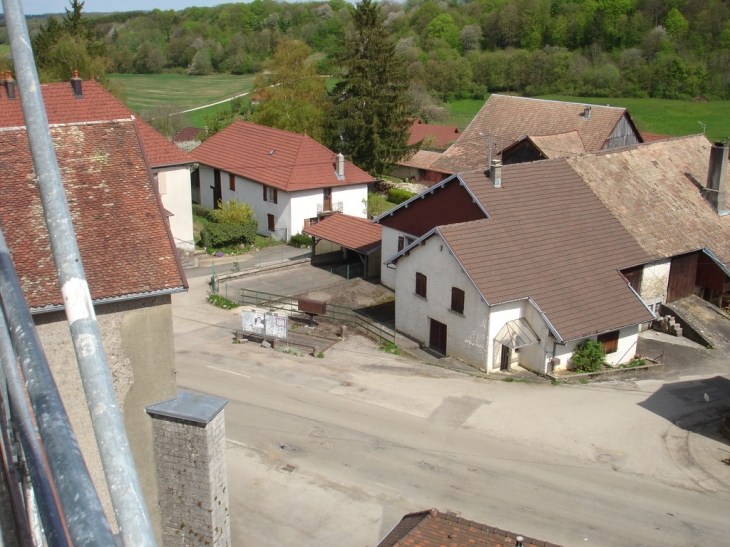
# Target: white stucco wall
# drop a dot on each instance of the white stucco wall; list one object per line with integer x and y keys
{"x": 304, "y": 205}
{"x": 466, "y": 335}
{"x": 354, "y": 199}
{"x": 174, "y": 185}
{"x": 627, "y": 340}
{"x": 388, "y": 249}
{"x": 206, "y": 181}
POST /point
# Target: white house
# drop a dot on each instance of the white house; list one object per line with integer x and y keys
{"x": 532, "y": 270}
{"x": 290, "y": 180}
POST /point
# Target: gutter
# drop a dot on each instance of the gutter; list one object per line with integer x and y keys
{"x": 110, "y": 299}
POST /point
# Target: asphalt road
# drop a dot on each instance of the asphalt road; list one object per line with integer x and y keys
{"x": 369, "y": 438}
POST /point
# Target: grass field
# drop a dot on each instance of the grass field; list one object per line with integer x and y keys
{"x": 675, "y": 118}
{"x": 143, "y": 91}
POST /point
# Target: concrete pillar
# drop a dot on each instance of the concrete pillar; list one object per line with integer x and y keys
{"x": 190, "y": 453}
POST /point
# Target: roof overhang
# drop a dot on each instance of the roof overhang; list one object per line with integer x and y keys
{"x": 111, "y": 299}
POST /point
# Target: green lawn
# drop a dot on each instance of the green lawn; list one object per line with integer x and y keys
{"x": 675, "y": 118}
{"x": 4, "y": 48}
{"x": 143, "y": 91}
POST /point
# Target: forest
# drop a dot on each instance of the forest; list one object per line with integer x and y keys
{"x": 454, "y": 49}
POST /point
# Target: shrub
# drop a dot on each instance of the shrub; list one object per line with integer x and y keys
{"x": 300, "y": 240}
{"x": 199, "y": 210}
{"x": 398, "y": 196}
{"x": 233, "y": 212}
{"x": 222, "y": 235}
{"x": 588, "y": 356}
{"x": 222, "y": 302}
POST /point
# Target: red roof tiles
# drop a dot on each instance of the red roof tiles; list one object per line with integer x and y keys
{"x": 97, "y": 104}
{"x": 433, "y": 136}
{"x": 434, "y": 529}
{"x": 121, "y": 233}
{"x": 358, "y": 234}
{"x": 187, "y": 134}
{"x": 287, "y": 161}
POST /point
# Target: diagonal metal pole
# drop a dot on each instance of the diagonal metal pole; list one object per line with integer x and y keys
{"x": 116, "y": 456}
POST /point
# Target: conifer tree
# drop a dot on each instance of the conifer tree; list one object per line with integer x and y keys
{"x": 371, "y": 105}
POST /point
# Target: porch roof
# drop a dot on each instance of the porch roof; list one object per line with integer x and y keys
{"x": 354, "y": 233}
{"x": 516, "y": 334}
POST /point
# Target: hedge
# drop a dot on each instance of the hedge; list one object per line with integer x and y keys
{"x": 397, "y": 196}
{"x": 300, "y": 240}
{"x": 223, "y": 235}
{"x": 204, "y": 212}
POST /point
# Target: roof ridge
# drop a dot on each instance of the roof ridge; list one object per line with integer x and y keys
{"x": 554, "y": 101}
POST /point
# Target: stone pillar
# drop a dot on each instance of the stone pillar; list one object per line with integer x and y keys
{"x": 190, "y": 454}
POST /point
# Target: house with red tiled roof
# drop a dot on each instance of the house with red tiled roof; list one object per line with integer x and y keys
{"x": 130, "y": 260}
{"x": 432, "y": 527}
{"x": 290, "y": 180}
{"x": 89, "y": 102}
{"x": 431, "y": 136}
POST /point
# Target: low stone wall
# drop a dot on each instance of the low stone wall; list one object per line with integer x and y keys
{"x": 582, "y": 377}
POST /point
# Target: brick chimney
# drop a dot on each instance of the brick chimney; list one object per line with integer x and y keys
{"x": 340, "y": 166}
{"x": 495, "y": 173}
{"x": 76, "y": 85}
{"x": 716, "y": 190}
{"x": 9, "y": 85}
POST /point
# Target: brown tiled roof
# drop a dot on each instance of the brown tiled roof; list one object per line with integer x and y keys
{"x": 434, "y": 136}
{"x": 187, "y": 134}
{"x": 97, "y": 104}
{"x": 548, "y": 238}
{"x": 651, "y": 137}
{"x": 284, "y": 160}
{"x": 124, "y": 242}
{"x": 355, "y": 233}
{"x": 653, "y": 191}
{"x": 435, "y": 529}
{"x": 423, "y": 159}
{"x": 558, "y": 145}
{"x": 510, "y": 118}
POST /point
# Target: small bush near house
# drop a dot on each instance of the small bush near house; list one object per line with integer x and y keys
{"x": 389, "y": 347}
{"x": 233, "y": 212}
{"x": 588, "y": 357}
{"x": 398, "y": 196}
{"x": 222, "y": 302}
{"x": 320, "y": 355}
{"x": 635, "y": 362}
{"x": 300, "y": 240}
{"x": 222, "y": 235}
{"x": 204, "y": 212}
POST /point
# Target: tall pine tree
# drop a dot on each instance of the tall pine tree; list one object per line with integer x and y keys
{"x": 371, "y": 105}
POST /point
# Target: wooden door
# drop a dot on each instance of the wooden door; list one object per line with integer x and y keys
{"x": 272, "y": 222}
{"x": 217, "y": 193}
{"x": 505, "y": 358}
{"x": 682, "y": 276}
{"x": 327, "y": 203}
{"x": 437, "y": 337}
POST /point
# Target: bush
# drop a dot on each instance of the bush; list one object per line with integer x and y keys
{"x": 232, "y": 212}
{"x": 300, "y": 240}
{"x": 398, "y": 196}
{"x": 222, "y": 302}
{"x": 588, "y": 356}
{"x": 199, "y": 210}
{"x": 222, "y": 235}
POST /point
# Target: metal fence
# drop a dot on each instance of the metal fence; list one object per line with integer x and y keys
{"x": 341, "y": 314}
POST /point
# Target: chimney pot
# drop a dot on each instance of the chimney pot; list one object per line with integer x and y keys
{"x": 587, "y": 113}
{"x": 340, "y": 165}
{"x": 715, "y": 192}
{"x": 495, "y": 173}
{"x": 76, "y": 85}
{"x": 9, "y": 85}
{"x": 519, "y": 540}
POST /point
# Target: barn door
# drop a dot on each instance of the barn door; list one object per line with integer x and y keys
{"x": 682, "y": 276}
{"x": 437, "y": 337}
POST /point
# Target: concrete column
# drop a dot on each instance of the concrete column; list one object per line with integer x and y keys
{"x": 190, "y": 454}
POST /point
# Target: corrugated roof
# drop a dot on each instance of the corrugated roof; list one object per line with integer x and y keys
{"x": 510, "y": 118}
{"x": 120, "y": 229}
{"x": 284, "y": 160}
{"x": 435, "y": 136}
{"x": 653, "y": 190}
{"x": 97, "y": 104}
{"x": 549, "y": 239}
{"x": 434, "y": 528}
{"x": 355, "y": 233}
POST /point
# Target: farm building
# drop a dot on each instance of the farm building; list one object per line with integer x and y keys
{"x": 290, "y": 180}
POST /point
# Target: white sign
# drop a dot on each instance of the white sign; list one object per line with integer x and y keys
{"x": 275, "y": 326}
{"x": 252, "y": 321}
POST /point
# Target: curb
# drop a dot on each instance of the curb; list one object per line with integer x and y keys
{"x": 253, "y": 271}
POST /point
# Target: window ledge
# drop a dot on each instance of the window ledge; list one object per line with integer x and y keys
{"x": 456, "y": 313}
{"x": 419, "y": 296}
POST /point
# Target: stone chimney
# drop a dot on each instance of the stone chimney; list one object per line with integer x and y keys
{"x": 340, "y": 166}
{"x": 716, "y": 190}
{"x": 587, "y": 113}
{"x": 495, "y": 173}
{"x": 9, "y": 85}
{"x": 76, "y": 85}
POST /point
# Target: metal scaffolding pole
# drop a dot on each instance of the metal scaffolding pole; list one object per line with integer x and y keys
{"x": 116, "y": 456}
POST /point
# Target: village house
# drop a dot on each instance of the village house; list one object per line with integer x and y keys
{"x": 88, "y": 102}
{"x": 131, "y": 265}
{"x": 290, "y": 180}
{"x": 519, "y": 129}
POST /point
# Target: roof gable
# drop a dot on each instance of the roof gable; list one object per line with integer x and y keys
{"x": 509, "y": 118}
{"x": 282, "y": 159}
{"x": 97, "y": 104}
{"x": 109, "y": 193}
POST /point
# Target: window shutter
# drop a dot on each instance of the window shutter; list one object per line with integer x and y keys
{"x": 457, "y": 300}
{"x": 276, "y": 195}
{"x": 265, "y": 190}
{"x": 421, "y": 284}
{"x": 609, "y": 341}
{"x": 232, "y": 182}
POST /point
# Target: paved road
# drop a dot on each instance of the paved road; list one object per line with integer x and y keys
{"x": 373, "y": 437}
